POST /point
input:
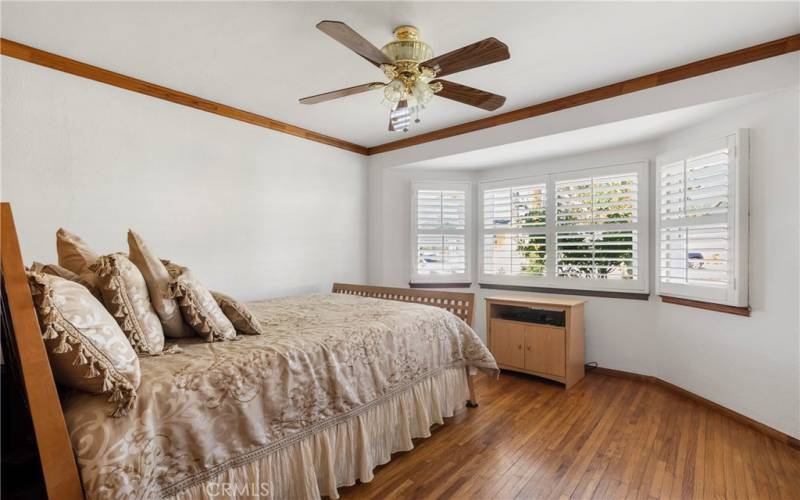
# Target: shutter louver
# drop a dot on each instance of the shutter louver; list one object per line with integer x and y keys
{"x": 597, "y": 255}
{"x": 695, "y": 255}
{"x": 597, "y": 200}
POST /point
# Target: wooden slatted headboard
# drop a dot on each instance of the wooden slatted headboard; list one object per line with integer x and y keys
{"x": 459, "y": 303}
{"x": 30, "y": 358}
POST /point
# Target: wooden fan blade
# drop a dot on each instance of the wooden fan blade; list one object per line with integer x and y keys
{"x": 345, "y": 35}
{"x": 468, "y": 95}
{"x": 328, "y": 96}
{"x": 480, "y": 53}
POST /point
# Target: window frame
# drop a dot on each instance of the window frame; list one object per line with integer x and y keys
{"x": 423, "y": 279}
{"x": 550, "y": 280}
{"x": 736, "y": 294}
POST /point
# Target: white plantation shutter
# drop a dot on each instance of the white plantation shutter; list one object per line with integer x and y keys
{"x": 702, "y": 222}
{"x": 600, "y": 230}
{"x": 440, "y": 229}
{"x": 515, "y": 230}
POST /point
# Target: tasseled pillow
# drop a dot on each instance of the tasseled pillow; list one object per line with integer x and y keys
{"x": 199, "y": 309}
{"x": 240, "y": 316}
{"x": 86, "y": 347}
{"x": 126, "y": 297}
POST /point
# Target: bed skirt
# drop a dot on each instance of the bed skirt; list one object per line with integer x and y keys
{"x": 345, "y": 452}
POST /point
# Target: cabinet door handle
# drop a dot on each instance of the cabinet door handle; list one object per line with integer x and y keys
{"x": 519, "y": 346}
{"x": 529, "y": 348}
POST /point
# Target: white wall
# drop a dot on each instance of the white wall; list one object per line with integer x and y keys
{"x": 751, "y": 365}
{"x": 253, "y": 212}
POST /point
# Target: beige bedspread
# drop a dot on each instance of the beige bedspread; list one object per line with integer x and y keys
{"x": 322, "y": 359}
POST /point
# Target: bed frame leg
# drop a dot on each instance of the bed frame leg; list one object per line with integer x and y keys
{"x": 472, "y": 402}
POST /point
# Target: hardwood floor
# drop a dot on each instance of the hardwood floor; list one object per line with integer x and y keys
{"x": 607, "y": 437}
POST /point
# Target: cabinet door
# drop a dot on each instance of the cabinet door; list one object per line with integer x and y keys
{"x": 545, "y": 350}
{"x": 508, "y": 341}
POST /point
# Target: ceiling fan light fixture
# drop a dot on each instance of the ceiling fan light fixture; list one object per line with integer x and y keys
{"x": 422, "y": 92}
{"x": 395, "y": 91}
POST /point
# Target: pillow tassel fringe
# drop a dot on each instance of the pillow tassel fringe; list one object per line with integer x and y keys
{"x": 125, "y": 399}
{"x": 49, "y": 333}
{"x": 171, "y": 349}
{"x": 106, "y": 266}
{"x": 191, "y": 308}
{"x": 92, "y": 372}
{"x": 108, "y": 386}
{"x": 63, "y": 346}
{"x": 174, "y": 290}
{"x": 183, "y": 294}
{"x": 80, "y": 359}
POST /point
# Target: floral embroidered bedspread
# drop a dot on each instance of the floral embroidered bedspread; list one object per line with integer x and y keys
{"x": 219, "y": 405}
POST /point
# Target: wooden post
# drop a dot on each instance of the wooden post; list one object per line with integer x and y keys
{"x": 60, "y": 471}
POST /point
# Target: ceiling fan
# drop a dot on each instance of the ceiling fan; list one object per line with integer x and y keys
{"x": 413, "y": 73}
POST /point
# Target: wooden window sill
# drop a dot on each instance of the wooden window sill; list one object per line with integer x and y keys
{"x": 439, "y": 285}
{"x": 739, "y": 311}
{"x": 569, "y": 291}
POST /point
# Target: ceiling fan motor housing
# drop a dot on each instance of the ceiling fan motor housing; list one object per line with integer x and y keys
{"x": 407, "y": 47}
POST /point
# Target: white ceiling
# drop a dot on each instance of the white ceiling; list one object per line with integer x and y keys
{"x": 263, "y": 56}
{"x": 608, "y": 135}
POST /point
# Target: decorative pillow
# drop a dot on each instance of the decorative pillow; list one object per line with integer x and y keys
{"x": 125, "y": 296}
{"x": 198, "y": 306}
{"x": 75, "y": 255}
{"x": 62, "y": 272}
{"x": 157, "y": 279}
{"x": 238, "y": 314}
{"x": 86, "y": 347}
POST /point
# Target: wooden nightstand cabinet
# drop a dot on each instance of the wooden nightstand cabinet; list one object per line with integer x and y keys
{"x": 549, "y": 351}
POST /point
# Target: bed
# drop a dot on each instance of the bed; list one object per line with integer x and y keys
{"x": 337, "y": 383}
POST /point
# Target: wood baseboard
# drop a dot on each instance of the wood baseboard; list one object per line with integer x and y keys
{"x": 753, "y": 424}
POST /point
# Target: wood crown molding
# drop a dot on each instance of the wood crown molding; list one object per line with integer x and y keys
{"x": 753, "y": 424}
{"x": 696, "y": 68}
{"x": 25, "y": 53}
{"x": 704, "y": 66}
